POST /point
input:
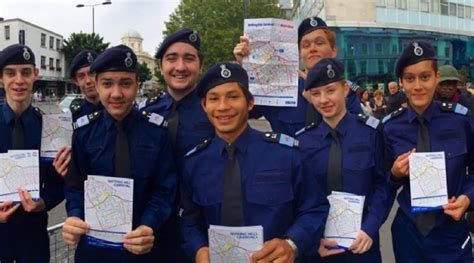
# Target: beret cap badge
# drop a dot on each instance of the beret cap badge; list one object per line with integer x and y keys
{"x": 26, "y": 54}
{"x": 90, "y": 58}
{"x": 313, "y": 22}
{"x": 193, "y": 36}
{"x": 330, "y": 72}
{"x": 128, "y": 60}
{"x": 417, "y": 49}
{"x": 225, "y": 72}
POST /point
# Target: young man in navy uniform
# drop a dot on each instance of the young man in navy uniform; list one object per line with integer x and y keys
{"x": 121, "y": 142}
{"x": 265, "y": 186}
{"x": 345, "y": 153}
{"x": 24, "y": 237}
{"x": 429, "y": 126}
{"x": 315, "y": 41}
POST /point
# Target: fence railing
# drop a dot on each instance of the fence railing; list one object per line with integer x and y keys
{"x": 60, "y": 252}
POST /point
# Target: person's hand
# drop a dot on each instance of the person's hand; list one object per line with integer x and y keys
{"x": 27, "y": 202}
{"x": 73, "y": 229}
{"x": 61, "y": 161}
{"x": 457, "y": 206}
{"x": 361, "y": 244}
{"x": 324, "y": 246}
{"x": 139, "y": 241}
{"x": 202, "y": 255}
{"x": 302, "y": 73}
{"x": 275, "y": 250}
{"x": 400, "y": 167}
{"x": 241, "y": 50}
{"x": 6, "y": 210}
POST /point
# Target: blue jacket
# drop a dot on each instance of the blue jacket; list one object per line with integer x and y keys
{"x": 84, "y": 108}
{"x": 362, "y": 165}
{"x": 276, "y": 193}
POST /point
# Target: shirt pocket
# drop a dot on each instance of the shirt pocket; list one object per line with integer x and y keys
{"x": 270, "y": 188}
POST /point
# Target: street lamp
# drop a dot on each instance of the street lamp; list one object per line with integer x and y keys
{"x": 106, "y": 2}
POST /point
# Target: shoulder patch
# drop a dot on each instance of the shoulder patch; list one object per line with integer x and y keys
{"x": 394, "y": 114}
{"x": 454, "y": 107}
{"x": 370, "y": 121}
{"x": 85, "y": 120}
{"x": 153, "y": 100}
{"x": 281, "y": 138}
{"x": 199, "y": 147}
{"x": 38, "y": 112}
{"x": 154, "y": 118}
{"x": 307, "y": 128}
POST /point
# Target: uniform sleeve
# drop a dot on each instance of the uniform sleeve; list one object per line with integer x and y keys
{"x": 468, "y": 186}
{"x": 353, "y": 103}
{"x": 160, "y": 205}
{"x": 74, "y": 180}
{"x": 52, "y": 185}
{"x": 311, "y": 208}
{"x": 192, "y": 224}
{"x": 384, "y": 194}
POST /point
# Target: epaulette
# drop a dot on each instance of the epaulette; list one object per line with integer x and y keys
{"x": 394, "y": 113}
{"x": 38, "y": 112}
{"x": 370, "y": 121}
{"x": 153, "y": 100}
{"x": 304, "y": 129}
{"x": 199, "y": 147}
{"x": 85, "y": 120}
{"x": 75, "y": 105}
{"x": 455, "y": 107}
{"x": 281, "y": 138}
{"x": 154, "y": 118}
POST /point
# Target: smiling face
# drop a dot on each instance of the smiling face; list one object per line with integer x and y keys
{"x": 180, "y": 67}
{"x": 316, "y": 45}
{"x": 227, "y": 109}
{"x": 86, "y": 82}
{"x": 419, "y": 81}
{"x": 18, "y": 82}
{"x": 330, "y": 100}
{"x": 117, "y": 92}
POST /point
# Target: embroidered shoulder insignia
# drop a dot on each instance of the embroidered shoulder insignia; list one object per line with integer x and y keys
{"x": 304, "y": 129}
{"x": 454, "y": 107}
{"x": 85, "y": 120}
{"x": 370, "y": 121}
{"x": 154, "y": 118}
{"x": 198, "y": 148}
{"x": 281, "y": 138}
{"x": 394, "y": 114}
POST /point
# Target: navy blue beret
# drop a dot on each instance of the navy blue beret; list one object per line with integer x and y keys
{"x": 118, "y": 58}
{"x": 81, "y": 60}
{"x": 310, "y": 24}
{"x": 16, "y": 54}
{"x": 184, "y": 35}
{"x": 327, "y": 70}
{"x": 415, "y": 52}
{"x": 222, "y": 73}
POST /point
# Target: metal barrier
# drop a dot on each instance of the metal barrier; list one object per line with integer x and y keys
{"x": 60, "y": 252}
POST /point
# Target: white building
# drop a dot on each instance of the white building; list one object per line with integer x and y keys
{"x": 46, "y": 46}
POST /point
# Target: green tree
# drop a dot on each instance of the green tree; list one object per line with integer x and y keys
{"x": 144, "y": 73}
{"x": 79, "y": 41}
{"x": 219, "y": 23}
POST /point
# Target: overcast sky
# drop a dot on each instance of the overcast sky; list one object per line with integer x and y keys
{"x": 111, "y": 21}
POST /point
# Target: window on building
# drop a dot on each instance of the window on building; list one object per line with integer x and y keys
{"x": 21, "y": 37}
{"x": 378, "y": 48}
{"x": 364, "y": 49}
{"x": 472, "y": 12}
{"x": 395, "y": 50}
{"x": 435, "y": 6}
{"x": 58, "y": 44}
{"x": 391, "y": 4}
{"x": 363, "y": 66}
{"x": 43, "y": 62}
{"x": 51, "y": 63}
{"x": 51, "y": 42}
{"x": 381, "y": 3}
{"x": 413, "y": 5}
{"x": 468, "y": 12}
{"x": 351, "y": 67}
{"x": 7, "y": 32}
{"x": 350, "y": 50}
{"x": 447, "y": 52}
{"x": 402, "y": 4}
{"x": 58, "y": 65}
{"x": 452, "y": 9}
{"x": 43, "y": 40}
{"x": 460, "y": 11}
{"x": 425, "y": 6}
{"x": 381, "y": 66}
{"x": 444, "y": 7}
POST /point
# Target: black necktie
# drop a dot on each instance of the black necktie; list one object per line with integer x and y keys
{"x": 18, "y": 138}
{"x": 232, "y": 213}
{"x": 425, "y": 221}
{"x": 122, "y": 154}
{"x": 173, "y": 122}
{"x": 334, "y": 164}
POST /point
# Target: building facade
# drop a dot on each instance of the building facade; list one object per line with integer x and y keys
{"x": 372, "y": 33}
{"x": 46, "y": 45}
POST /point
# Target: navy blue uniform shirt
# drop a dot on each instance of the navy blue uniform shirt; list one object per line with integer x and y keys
{"x": 84, "y": 108}
{"x": 289, "y": 120}
{"x": 449, "y": 132}
{"x": 276, "y": 193}
{"x": 152, "y": 166}
{"x": 362, "y": 166}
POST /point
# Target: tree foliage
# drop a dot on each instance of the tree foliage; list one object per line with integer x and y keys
{"x": 219, "y": 23}
{"x": 79, "y": 41}
{"x": 144, "y": 73}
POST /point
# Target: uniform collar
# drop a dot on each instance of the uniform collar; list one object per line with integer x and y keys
{"x": 341, "y": 128}
{"x": 427, "y": 115}
{"x": 241, "y": 143}
{"x": 184, "y": 102}
{"x": 26, "y": 116}
{"x": 127, "y": 121}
